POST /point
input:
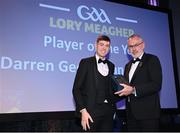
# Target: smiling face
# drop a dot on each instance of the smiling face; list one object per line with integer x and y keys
{"x": 136, "y": 46}
{"x": 102, "y": 48}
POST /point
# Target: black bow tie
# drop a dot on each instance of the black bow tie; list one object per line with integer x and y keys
{"x": 137, "y": 59}
{"x": 103, "y": 61}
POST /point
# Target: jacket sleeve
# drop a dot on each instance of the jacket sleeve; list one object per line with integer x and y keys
{"x": 153, "y": 85}
{"x": 78, "y": 85}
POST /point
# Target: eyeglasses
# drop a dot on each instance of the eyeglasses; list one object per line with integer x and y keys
{"x": 135, "y": 45}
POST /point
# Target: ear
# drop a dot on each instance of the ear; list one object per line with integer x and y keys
{"x": 143, "y": 45}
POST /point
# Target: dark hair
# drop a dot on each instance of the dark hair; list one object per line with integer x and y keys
{"x": 103, "y": 37}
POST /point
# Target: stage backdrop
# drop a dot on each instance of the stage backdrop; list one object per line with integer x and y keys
{"x": 42, "y": 42}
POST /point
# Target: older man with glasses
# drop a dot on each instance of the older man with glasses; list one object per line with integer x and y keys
{"x": 142, "y": 95}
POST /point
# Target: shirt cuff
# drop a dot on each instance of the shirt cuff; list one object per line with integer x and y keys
{"x": 134, "y": 91}
{"x": 82, "y": 110}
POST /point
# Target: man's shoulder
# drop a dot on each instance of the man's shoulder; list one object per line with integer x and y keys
{"x": 151, "y": 56}
{"x": 111, "y": 63}
{"x": 88, "y": 59}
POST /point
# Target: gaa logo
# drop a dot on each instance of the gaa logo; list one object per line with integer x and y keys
{"x": 86, "y": 13}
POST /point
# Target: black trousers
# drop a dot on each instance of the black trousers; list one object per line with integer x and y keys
{"x": 103, "y": 120}
{"x": 145, "y": 125}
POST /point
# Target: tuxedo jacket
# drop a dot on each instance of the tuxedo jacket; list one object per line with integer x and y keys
{"x": 84, "y": 88}
{"x": 147, "y": 80}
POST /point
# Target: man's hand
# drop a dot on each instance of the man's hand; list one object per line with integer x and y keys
{"x": 127, "y": 90}
{"x": 85, "y": 117}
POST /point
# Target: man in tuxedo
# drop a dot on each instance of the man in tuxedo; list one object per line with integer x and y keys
{"x": 142, "y": 95}
{"x": 92, "y": 90}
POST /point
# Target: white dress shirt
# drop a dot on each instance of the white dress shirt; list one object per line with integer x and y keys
{"x": 133, "y": 68}
{"x": 102, "y": 68}
{"x": 131, "y": 73}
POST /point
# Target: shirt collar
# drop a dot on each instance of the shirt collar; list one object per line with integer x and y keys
{"x": 97, "y": 58}
{"x": 140, "y": 57}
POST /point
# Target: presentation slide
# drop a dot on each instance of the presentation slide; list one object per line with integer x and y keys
{"x": 43, "y": 41}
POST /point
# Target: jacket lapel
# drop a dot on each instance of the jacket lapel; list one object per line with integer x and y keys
{"x": 128, "y": 69}
{"x": 138, "y": 67}
{"x": 94, "y": 67}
